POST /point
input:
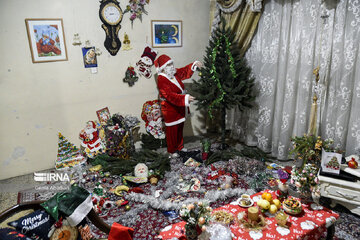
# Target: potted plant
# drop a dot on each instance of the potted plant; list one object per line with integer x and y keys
{"x": 308, "y": 148}
{"x": 305, "y": 180}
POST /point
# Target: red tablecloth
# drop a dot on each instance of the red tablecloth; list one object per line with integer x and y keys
{"x": 310, "y": 224}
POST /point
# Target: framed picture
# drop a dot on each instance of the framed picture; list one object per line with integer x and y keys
{"x": 89, "y": 56}
{"x": 46, "y": 40}
{"x": 103, "y": 115}
{"x": 330, "y": 162}
{"x": 166, "y": 33}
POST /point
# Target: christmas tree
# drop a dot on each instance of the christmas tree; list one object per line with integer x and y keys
{"x": 225, "y": 80}
{"x": 68, "y": 154}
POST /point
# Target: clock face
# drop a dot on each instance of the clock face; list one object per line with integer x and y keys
{"x": 112, "y": 14}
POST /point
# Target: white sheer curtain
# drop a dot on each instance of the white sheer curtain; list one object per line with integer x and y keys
{"x": 291, "y": 40}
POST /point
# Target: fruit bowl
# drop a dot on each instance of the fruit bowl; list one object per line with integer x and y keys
{"x": 292, "y": 206}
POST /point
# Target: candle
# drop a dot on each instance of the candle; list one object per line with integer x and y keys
{"x": 253, "y": 213}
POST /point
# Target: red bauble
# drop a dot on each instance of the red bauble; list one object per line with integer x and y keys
{"x": 353, "y": 164}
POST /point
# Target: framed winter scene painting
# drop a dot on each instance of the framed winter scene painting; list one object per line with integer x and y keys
{"x": 166, "y": 33}
{"x": 46, "y": 40}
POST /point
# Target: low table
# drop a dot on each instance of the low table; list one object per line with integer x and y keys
{"x": 346, "y": 193}
{"x": 310, "y": 224}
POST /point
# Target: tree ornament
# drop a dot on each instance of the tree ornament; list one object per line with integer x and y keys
{"x": 146, "y": 62}
{"x": 126, "y": 43}
{"x": 127, "y": 207}
{"x": 130, "y": 76}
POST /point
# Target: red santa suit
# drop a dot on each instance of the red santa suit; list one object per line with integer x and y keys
{"x": 174, "y": 102}
{"x": 90, "y": 137}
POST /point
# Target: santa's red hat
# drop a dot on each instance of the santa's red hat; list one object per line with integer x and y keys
{"x": 150, "y": 53}
{"x": 93, "y": 125}
{"x": 162, "y": 61}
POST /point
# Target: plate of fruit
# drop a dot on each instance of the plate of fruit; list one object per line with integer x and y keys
{"x": 292, "y": 206}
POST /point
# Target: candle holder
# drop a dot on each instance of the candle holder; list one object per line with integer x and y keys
{"x": 281, "y": 219}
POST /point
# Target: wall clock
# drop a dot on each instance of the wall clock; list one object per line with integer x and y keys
{"x": 111, "y": 15}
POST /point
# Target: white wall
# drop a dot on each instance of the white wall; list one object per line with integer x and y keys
{"x": 39, "y": 100}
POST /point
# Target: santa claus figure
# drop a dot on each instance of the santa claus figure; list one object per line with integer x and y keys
{"x": 141, "y": 170}
{"x": 90, "y": 139}
{"x": 174, "y": 101}
{"x": 151, "y": 114}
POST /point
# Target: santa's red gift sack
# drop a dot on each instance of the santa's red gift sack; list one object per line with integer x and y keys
{"x": 151, "y": 114}
{"x": 119, "y": 232}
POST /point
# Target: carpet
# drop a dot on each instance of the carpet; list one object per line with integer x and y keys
{"x": 150, "y": 211}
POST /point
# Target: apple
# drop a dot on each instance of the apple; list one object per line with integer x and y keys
{"x": 273, "y": 209}
{"x": 353, "y": 164}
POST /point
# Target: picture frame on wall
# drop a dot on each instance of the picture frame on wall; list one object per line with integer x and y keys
{"x": 165, "y": 33}
{"x": 46, "y": 39}
{"x": 103, "y": 115}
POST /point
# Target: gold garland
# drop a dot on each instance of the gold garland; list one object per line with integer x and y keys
{"x": 222, "y": 217}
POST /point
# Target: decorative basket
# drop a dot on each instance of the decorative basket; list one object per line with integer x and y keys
{"x": 293, "y": 211}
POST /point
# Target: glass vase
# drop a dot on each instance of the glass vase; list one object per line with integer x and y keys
{"x": 306, "y": 197}
{"x": 315, "y": 198}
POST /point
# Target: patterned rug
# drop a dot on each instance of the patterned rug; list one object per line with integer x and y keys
{"x": 150, "y": 211}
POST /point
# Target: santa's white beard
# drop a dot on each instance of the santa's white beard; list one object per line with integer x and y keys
{"x": 89, "y": 132}
{"x": 170, "y": 71}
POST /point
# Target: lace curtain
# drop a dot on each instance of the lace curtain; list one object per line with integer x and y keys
{"x": 293, "y": 38}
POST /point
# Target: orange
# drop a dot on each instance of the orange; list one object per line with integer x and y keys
{"x": 267, "y": 196}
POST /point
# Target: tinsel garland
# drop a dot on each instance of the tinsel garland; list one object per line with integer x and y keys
{"x": 180, "y": 172}
{"x": 131, "y": 217}
{"x": 165, "y": 205}
{"x": 214, "y": 74}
